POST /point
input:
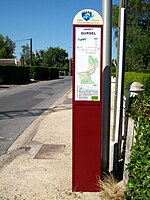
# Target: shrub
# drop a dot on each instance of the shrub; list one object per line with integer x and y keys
{"x": 6, "y": 73}
{"x": 138, "y": 186}
{"x": 11, "y": 74}
{"x": 63, "y": 71}
{"x": 147, "y": 84}
{"x": 54, "y": 73}
{"x": 136, "y": 77}
{"x": 22, "y": 74}
{"x": 39, "y": 73}
{"x": 113, "y": 71}
{"x": 142, "y": 78}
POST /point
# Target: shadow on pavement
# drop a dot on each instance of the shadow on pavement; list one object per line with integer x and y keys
{"x": 28, "y": 113}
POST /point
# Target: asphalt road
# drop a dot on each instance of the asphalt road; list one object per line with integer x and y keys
{"x": 20, "y": 105}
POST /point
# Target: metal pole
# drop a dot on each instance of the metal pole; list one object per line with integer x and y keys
{"x": 119, "y": 110}
{"x": 117, "y": 69}
{"x": 69, "y": 66}
{"x": 30, "y": 51}
{"x": 70, "y": 62}
{"x": 106, "y": 87}
{"x": 120, "y": 75}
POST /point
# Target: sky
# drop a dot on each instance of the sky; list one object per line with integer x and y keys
{"x": 47, "y": 22}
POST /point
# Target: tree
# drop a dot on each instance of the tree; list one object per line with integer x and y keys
{"x": 39, "y": 58}
{"x": 7, "y": 47}
{"x": 137, "y": 34}
{"x": 55, "y": 56}
{"x": 25, "y": 55}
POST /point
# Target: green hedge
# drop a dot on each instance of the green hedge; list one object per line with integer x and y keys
{"x": 44, "y": 73}
{"x": 11, "y": 74}
{"x": 54, "y": 73}
{"x": 22, "y": 74}
{"x": 138, "y": 186}
{"x": 39, "y": 73}
{"x": 142, "y": 78}
{"x": 63, "y": 71}
{"x": 113, "y": 71}
{"x": 130, "y": 77}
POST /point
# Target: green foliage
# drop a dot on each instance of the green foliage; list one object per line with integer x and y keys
{"x": 39, "y": 73}
{"x": 5, "y": 73}
{"x": 143, "y": 109}
{"x": 14, "y": 74}
{"x": 43, "y": 73}
{"x": 113, "y": 68}
{"x": 7, "y": 47}
{"x": 138, "y": 40}
{"x": 115, "y": 16}
{"x": 25, "y": 55}
{"x": 147, "y": 84}
{"x": 138, "y": 186}
{"x": 22, "y": 74}
{"x": 142, "y": 78}
{"x": 55, "y": 56}
{"x": 54, "y": 73}
{"x": 138, "y": 49}
{"x": 64, "y": 70}
{"x": 137, "y": 34}
{"x": 39, "y": 58}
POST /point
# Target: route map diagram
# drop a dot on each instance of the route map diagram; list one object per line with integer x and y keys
{"x": 87, "y": 68}
{"x": 89, "y": 49}
{"x": 85, "y": 76}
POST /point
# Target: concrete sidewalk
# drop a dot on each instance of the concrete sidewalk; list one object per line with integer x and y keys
{"x": 38, "y": 166}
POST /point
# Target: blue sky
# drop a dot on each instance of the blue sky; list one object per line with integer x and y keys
{"x": 47, "y": 22}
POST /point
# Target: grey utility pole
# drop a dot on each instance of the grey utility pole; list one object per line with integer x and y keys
{"x": 30, "y": 51}
{"x": 106, "y": 87}
{"x": 70, "y": 61}
{"x": 120, "y": 81}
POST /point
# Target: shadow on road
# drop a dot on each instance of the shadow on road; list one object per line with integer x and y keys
{"x": 28, "y": 113}
{"x": 21, "y": 113}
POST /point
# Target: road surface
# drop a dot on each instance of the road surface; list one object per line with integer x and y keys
{"x": 20, "y": 105}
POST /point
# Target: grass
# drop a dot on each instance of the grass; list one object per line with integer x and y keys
{"x": 110, "y": 189}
